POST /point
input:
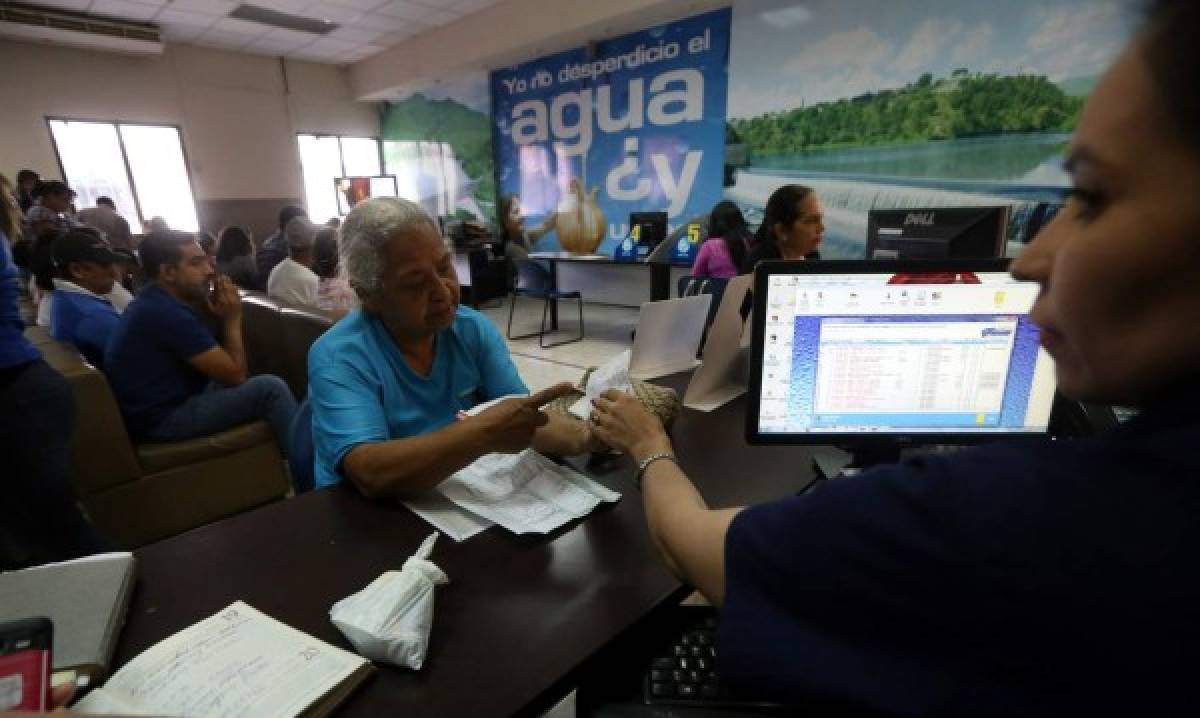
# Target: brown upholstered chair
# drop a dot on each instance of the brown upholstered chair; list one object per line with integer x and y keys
{"x": 262, "y": 334}
{"x": 137, "y": 494}
{"x": 301, "y": 327}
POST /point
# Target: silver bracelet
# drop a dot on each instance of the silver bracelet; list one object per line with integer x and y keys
{"x": 645, "y": 464}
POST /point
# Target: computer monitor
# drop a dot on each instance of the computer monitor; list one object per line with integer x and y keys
{"x": 877, "y": 355}
{"x": 648, "y": 229}
{"x": 937, "y": 233}
{"x": 352, "y": 190}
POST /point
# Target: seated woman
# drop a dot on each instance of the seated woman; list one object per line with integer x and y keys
{"x": 334, "y": 292}
{"x": 727, "y": 244}
{"x": 235, "y": 257}
{"x": 517, "y": 242}
{"x": 1051, "y": 579}
{"x": 388, "y": 382}
{"x": 792, "y": 227}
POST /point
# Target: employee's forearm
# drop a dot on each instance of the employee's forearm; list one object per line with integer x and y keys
{"x": 234, "y": 344}
{"x": 402, "y": 468}
{"x": 690, "y": 535}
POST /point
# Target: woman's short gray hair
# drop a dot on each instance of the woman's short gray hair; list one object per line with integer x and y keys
{"x": 366, "y": 232}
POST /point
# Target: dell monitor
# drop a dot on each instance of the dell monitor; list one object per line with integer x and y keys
{"x": 937, "y": 233}
{"x": 876, "y": 356}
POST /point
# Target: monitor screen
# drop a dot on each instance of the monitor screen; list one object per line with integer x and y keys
{"x": 937, "y": 233}
{"x": 352, "y": 190}
{"x": 857, "y": 350}
{"x": 648, "y": 228}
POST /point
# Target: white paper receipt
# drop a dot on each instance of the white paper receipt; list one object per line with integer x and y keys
{"x": 525, "y": 492}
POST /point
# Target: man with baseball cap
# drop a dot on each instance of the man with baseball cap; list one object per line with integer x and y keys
{"x": 81, "y": 314}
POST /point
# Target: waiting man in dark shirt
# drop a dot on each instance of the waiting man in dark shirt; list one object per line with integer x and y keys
{"x": 169, "y": 374}
{"x": 81, "y": 313}
{"x": 274, "y": 249}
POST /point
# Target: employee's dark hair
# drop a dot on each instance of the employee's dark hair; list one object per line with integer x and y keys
{"x": 783, "y": 207}
{"x": 1170, "y": 48}
{"x": 24, "y": 176}
{"x": 288, "y": 213}
{"x": 107, "y": 202}
{"x": 726, "y": 221}
{"x": 161, "y": 249}
{"x": 234, "y": 241}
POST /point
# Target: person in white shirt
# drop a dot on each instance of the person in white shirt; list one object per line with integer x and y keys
{"x": 293, "y": 279}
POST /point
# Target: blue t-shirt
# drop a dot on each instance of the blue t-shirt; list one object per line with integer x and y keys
{"x": 1056, "y": 579}
{"x": 147, "y": 358}
{"x": 15, "y": 349}
{"x": 362, "y": 390}
{"x": 85, "y": 320}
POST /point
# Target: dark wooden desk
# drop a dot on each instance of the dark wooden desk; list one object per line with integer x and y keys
{"x": 520, "y": 613}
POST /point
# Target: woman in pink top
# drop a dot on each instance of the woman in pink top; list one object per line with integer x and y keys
{"x": 725, "y": 249}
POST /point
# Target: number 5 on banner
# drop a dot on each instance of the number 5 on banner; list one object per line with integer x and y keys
{"x": 693, "y": 233}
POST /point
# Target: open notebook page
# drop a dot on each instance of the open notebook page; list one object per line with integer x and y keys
{"x": 239, "y": 662}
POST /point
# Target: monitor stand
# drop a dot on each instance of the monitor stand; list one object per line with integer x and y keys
{"x": 830, "y": 462}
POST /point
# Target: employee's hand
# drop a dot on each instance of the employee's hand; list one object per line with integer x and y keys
{"x": 508, "y": 426}
{"x": 621, "y": 421}
{"x": 226, "y": 303}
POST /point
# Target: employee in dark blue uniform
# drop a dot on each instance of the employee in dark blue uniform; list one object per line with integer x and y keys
{"x": 1057, "y": 580}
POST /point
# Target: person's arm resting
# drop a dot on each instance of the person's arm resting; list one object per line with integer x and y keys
{"x": 401, "y": 468}
{"x": 412, "y": 465}
{"x": 690, "y": 536}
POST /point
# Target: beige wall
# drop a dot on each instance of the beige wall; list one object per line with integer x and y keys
{"x": 508, "y": 32}
{"x": 238, "y": 113}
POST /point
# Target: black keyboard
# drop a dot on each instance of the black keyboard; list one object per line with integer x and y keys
{"x": 684, "y": 672}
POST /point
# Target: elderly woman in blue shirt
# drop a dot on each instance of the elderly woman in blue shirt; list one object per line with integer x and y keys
{"x": 1060, "y": 579}
{"x": 389, "y": 383}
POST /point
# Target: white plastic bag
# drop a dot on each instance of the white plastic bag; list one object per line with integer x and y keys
{"x": 390, "y": 619}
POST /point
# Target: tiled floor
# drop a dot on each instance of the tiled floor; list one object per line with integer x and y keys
{"x": 607, "y": 330}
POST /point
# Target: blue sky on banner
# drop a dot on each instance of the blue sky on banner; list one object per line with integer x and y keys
{"x": 786, "y": 54}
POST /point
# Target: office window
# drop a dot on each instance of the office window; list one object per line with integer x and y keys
{"x": 141, "y": 167}
{"x": 426, "y": 173}
{"x": 324, "y": 158}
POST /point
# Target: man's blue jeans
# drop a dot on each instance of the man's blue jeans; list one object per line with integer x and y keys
{"x": 218, "y": 408}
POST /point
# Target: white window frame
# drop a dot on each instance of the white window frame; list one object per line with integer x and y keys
{"x": 117, "y": 124}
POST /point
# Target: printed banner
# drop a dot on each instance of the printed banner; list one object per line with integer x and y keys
{"x": 585, "y": 137}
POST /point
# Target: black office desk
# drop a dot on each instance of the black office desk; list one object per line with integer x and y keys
{"x": 520, "y": 614}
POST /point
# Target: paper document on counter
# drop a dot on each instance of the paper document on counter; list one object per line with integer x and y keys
{"x": 525, "y": 492}
{"x": 613, "y": 374}
{"x": 457, "y": 523}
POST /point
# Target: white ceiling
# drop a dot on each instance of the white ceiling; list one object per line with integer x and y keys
{"x": 365, "y": 26}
